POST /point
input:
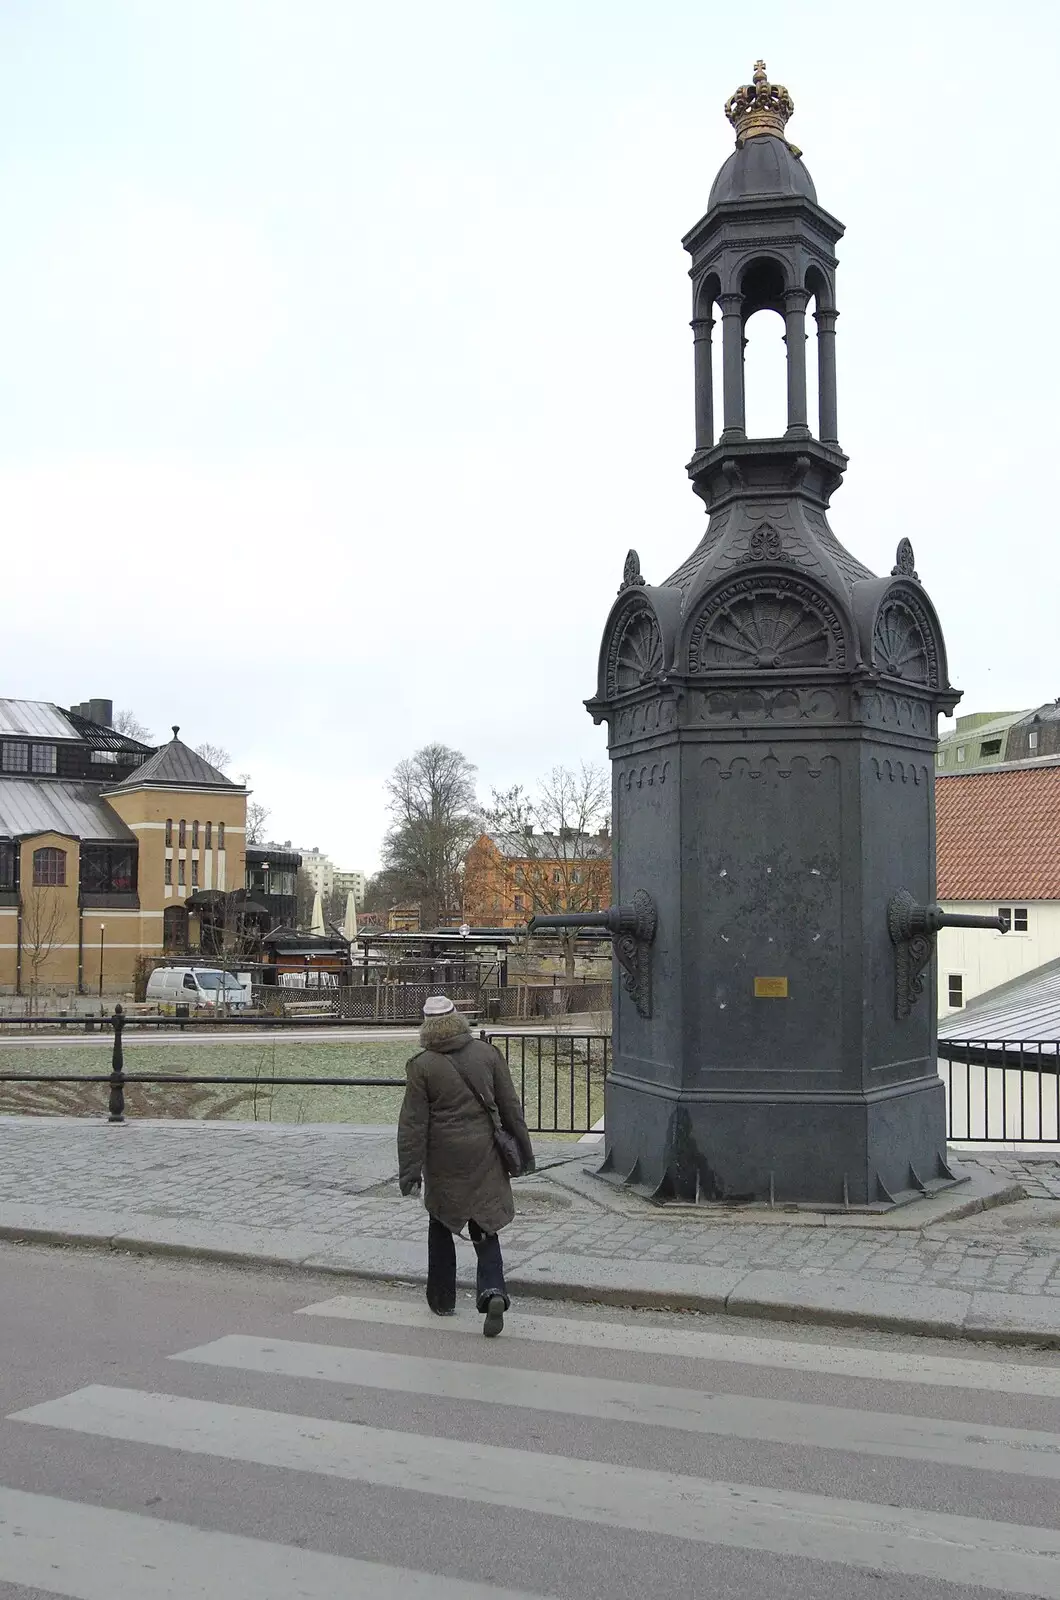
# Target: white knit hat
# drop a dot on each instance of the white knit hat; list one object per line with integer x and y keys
{"x": 437, "y": 1005}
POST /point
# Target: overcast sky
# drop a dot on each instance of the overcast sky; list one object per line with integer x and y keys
{"x": 346, "y": 352}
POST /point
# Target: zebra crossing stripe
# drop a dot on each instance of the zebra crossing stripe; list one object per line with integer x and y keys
{"x": 94, "y": 1553}
{"x": 645, "y": 1338}
{"x": 736, "y": 1416}
{"x": 994, "y": 1555}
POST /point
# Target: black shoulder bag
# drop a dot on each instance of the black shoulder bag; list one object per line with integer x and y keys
{"x": 507, "y": 1145}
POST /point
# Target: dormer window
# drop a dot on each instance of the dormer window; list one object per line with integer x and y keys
{"x": 44, "y": 759}
{"x": 16, "y": 756}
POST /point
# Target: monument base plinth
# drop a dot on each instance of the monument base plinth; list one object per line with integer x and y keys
{"x": 838, "y": 1151}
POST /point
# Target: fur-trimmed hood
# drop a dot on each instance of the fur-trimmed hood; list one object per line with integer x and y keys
{"x": 450, "y": 1032}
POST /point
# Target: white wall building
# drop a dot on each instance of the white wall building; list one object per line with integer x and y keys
{"x": 998, "y": 851}
{"x": 357, "y": 881}
{"x": 320, "y": 870}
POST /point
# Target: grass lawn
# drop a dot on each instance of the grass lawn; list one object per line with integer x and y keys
{"x": 554, "y": 1096}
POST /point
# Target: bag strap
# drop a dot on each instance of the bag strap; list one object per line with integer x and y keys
{"x": 491, "y": 1111}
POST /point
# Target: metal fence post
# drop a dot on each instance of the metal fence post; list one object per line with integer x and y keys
{"x": 117, "y": 1070}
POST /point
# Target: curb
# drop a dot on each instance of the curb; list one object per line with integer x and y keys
{"x": 738, "y": 1300}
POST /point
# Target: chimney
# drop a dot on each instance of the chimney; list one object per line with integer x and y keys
{"x": 101, "y": 711}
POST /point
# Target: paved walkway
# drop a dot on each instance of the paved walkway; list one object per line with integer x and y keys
{"x": 326, "y": 1196}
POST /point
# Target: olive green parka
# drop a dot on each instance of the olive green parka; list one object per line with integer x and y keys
{"x": 445, "y": 1137}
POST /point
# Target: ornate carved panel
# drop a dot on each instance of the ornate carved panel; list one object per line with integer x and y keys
{"x": 635, "y": 654}
{"x": 640, "y": 721}
{"x": 764, "y": 621}
{"x": 896, "y": 711}
{"x": 797, "y": 704}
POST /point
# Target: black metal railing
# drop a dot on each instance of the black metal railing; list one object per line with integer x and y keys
{"x": 559, "y": 1077}
{"x": 1001, "y": 1091}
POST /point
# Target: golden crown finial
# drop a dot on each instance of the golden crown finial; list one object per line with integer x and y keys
{"x": 759, "y": 107}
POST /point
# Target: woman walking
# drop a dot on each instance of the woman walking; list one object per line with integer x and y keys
{"x": 459, "y": 1103}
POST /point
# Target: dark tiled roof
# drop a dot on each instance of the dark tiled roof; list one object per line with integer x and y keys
{"x": 999, "y": 834}
{"x": 176, "y": 766}
{"x": 103, "y": 738}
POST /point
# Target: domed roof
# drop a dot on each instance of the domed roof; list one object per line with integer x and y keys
{"x": 762, "y": 166}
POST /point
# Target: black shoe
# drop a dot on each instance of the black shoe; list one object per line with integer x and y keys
{"x": 440, "y": 1308}
{"x": 494, "y": 1323}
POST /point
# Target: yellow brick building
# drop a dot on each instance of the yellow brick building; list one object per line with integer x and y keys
{"x": 102, "y": 843}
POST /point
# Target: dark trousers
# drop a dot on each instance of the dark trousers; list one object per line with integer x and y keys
{"x": 441, "y": 1266}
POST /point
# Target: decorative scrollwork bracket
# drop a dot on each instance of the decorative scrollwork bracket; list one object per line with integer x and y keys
{"x": 632, "y": 929}
{"x": 913, "y": 929}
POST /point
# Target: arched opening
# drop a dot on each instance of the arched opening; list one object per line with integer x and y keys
{"x": 765, "y": 376}
{"x": 813, "y": 397}
{"x": 706, "y": 333}
{"x": 765, "y": 353}
{"x": 175, "y": 930}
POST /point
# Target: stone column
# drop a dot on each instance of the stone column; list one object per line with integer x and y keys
{"x": 701, "y": 330}
{"x": 732, "y": 366}
{"x": 795, "y": 302}
{"x": 825, "y": 321}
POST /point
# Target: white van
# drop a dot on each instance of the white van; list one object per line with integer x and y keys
{"x": 198, "y": 988}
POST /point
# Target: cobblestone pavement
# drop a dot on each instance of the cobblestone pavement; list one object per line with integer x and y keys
{"x": 329, "y": 1185}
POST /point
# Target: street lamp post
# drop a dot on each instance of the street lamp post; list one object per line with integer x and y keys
{"x": 102, "y": 932}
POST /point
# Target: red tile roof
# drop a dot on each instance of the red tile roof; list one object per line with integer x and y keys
{"x": 999, "y": 835}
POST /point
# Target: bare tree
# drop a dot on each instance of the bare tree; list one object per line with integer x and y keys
{"x": 215, "y": 754}
{"x": 556, "y": 846}
{"x": 44, "y": 923}
{"x": 128, "y": 723}
{"x": 257, "y": 813}
{"x": 431, "y": 797}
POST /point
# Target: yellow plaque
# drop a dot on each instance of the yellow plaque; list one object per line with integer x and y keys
{"x": 771, "y": 988}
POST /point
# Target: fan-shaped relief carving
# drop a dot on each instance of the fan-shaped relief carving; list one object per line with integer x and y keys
{"x": 635, "y": 655}
{"x": 903, "y": 642}
{"x": 771, "y": 622}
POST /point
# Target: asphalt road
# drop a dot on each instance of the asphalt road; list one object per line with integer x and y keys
{"x": 170, "y": 1430}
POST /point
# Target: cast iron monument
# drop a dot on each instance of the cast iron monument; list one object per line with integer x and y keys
{"x": 772, "y": 712}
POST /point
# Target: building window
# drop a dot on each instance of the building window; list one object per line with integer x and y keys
{"x": 209, "y": 836}
{"x": 8, "y": 866}
{"x": 960, "y": 752}
{"x": 518, "y": 902}
{"x": 220, "y": 836}
{"x": 1032, "y": 739}
{"x": 955, "y": 988}
{"x": 1014, "y": 918}
{"x": 557, "y": 876}
{"x": 181, "y": 870}
{"x": 1005, "y": 913}
{"x": 108, "y": 869}
{"x": 169, "y": 833}
{"x": 43, "y": 758}
{"x": 182, "y": 833}
{"x": 175, "y": 928}
{"x": 169, "y": 869}
{"x": 940, "y": 759}
{"x": 195, "y": 874}
{"x": 16, "y": 757}
{"x": 49, "y": 869}
{"x": 576, "y": 876}
{"x": 990, "y": 747}
{"x": 195, "y": 835}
